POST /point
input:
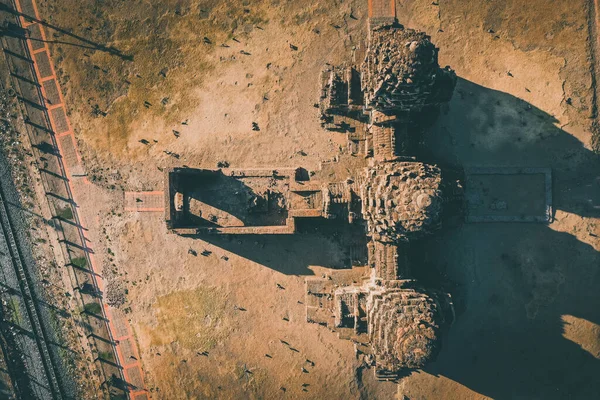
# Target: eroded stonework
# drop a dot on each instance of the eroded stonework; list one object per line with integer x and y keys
{"x": 401, "y": 74}
{"x": 402, "y": 200}
{"x": 405, "y": 323}
{"x": 397, "y": 321}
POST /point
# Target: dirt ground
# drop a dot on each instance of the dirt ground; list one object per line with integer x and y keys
{"x": 528, "y": 323}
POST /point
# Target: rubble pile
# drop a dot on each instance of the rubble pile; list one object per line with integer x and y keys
{"x": 401, "y": 73}
{"x": 401, "y": 201}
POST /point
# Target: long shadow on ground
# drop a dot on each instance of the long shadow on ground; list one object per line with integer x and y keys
{"x": 330, "y": 244}
{"x": 526, "y": 294}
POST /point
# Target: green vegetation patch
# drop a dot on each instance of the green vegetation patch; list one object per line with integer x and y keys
{"x": 106, "y": 355}
{"x": 195, "y": 319}
{"x": 79, "y": 262}
{"x": 15, "y": 311}
{"x": 93, "y": 308}
{"x": 64, "y": 213}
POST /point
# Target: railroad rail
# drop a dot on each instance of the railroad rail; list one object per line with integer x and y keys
{"x": 30, "y": 300}
{"x": 35, "y": 100}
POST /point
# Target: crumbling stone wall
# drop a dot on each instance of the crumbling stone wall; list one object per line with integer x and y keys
{"x": 334, "y": 89}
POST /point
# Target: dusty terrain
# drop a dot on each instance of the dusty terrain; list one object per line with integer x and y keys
{"x": 528, "y": 316}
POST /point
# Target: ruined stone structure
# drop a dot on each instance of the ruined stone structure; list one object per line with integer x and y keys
{"x": 401, "y": 75}
{"x": 340, "y": 91}
{"x": 398, "y": 321}
{"x": 404, "y": 325}
{"x": 382, "y": 105}
{"x": 400, "y": 88}
{"x": 401, "y": 200}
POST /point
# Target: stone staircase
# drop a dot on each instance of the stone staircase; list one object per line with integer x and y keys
{"x": 383, "y": 142}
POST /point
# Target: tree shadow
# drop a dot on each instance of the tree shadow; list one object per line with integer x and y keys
{"x": 13, "y": 30}
{"x": 526, "y": 294}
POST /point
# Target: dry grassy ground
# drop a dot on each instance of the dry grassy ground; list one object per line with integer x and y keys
{"x": 528, "y": 319}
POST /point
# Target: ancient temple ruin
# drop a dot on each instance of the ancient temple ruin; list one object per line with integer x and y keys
{"x": 394, "y": 320}
{"x": 400, "y": 86}
{"x": 383, "y": 105}
{"x": 397, "y": 321}
{"x": 400, "y": 75}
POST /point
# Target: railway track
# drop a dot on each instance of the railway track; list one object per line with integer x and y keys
{"x": 30, "y": 300}
{"x": 27, "y": 84}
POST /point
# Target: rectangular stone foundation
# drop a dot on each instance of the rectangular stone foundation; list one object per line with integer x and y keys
{"x": 507, "y": 194}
